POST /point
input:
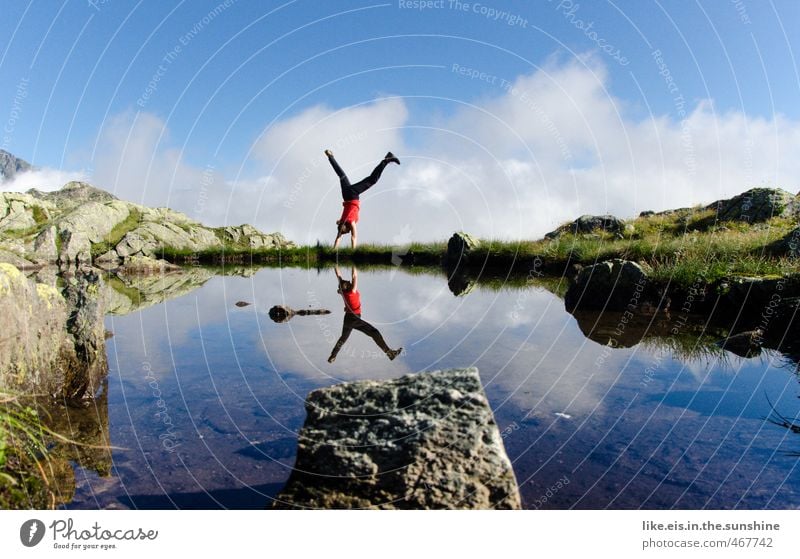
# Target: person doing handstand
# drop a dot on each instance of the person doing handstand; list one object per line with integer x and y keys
{"x": 350, "y": 193}
{"x": 352, "y": 317}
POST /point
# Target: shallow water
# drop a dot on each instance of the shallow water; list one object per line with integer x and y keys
{"x": 205, "y": 398}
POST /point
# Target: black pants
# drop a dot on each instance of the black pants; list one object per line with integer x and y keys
{"x": 352, "y": 191}
{"x": 354, "y": 322}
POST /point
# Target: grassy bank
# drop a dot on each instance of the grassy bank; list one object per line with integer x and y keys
{"x": 678, "y": 248}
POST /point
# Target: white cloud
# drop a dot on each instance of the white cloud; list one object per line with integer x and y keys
{"x": 136, "y": 161}
{"x": 42, "y": 179}
{"x": 552, "y": 146}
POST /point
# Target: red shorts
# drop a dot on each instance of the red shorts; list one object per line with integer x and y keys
{"x": 350, "y": 211}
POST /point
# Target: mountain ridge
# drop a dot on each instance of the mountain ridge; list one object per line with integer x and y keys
{"x": 10, "y": 165}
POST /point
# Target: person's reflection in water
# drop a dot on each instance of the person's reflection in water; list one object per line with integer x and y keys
{"x": 352, "y": 317}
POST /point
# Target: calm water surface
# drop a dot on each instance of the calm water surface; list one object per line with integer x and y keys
{"x": 205, "y": 399}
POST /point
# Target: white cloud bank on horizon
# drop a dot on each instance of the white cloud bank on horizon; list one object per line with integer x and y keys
{"x": 44, "y": 179}
{"x": 514, "y": 165}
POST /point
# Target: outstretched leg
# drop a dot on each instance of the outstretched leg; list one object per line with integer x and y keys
{"x": 346, "y": 329}
{"x": 361, "y": 186}
{"x": 345, "y": 182}
{"x": 367, "y": 328}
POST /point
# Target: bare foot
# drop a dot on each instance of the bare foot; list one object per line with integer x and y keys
{"x": 392, "y": 353}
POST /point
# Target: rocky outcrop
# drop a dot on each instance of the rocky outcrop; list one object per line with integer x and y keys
{"x": 21, "y": 212}
{"x": 34, "y": 342}
{"x": 150, "y": 236}
{"x": 588, "y": 224}
{"x": 11, "y": 165}
{"x": 84, "y": 227}
{"x": 425, "y": 441}
{"x": 81, "y": 224}
{"x": 613, "y": 285}
{"x": 84, "y": 292}
{"x": 248, "y": 237}
{"x": 72, "y": 195}
{"x": 756, "y": 205}
{"x": 51, "y": 344}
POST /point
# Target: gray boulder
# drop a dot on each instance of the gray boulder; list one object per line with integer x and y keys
{"x": 756, "y": 205}
{"x": 19, "y": 212}
{"x": 88, "y": 224}
{"x": 588, "y": 224}
{"x": 45, "y": 245}
{"x": 425, "y": 441}
{"x": 51, "y": 344}
{"x": 248, "y": 237}
{"x": 84, "y": 292}
{"x": 614, "y": 285}
{"x": 459, "y": 248}
{"x": 150, "y": 236}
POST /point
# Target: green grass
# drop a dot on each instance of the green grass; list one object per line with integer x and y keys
{"x": 118, "y": 232}
{"x": 677, "y": 248}
{"x": 23, "y": 457}
{"x": 22, "y": 233}
{"x": 39, "y": 215}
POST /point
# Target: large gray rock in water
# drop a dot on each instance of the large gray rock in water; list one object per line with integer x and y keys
{"x": 459, "y": 248}
{"x": 425, "y": 441}
{"x": 614, "y": 285}
{"x": 51, "y": 344}
{"x": 587, "y": 224}
{"x": 756, "y": 205}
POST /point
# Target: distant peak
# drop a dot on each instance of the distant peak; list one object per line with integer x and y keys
{"x": 10, "y": 165}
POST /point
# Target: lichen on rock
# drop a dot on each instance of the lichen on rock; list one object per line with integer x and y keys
{"x": 423, "y": 441}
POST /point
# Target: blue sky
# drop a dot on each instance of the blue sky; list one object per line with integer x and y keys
{"x": 76, "y": 73}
